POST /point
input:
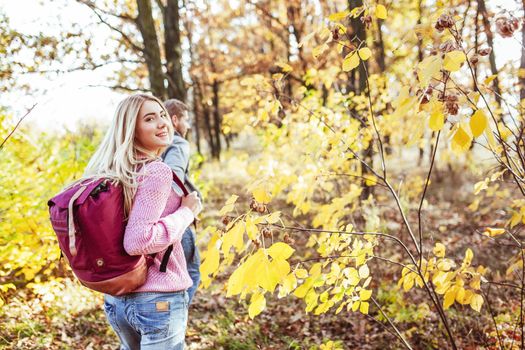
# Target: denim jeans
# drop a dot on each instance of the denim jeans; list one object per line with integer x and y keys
{"x": 148, "y": 320}
{"x": 193, "y": 260}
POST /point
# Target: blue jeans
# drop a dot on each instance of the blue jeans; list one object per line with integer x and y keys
{"x": 193, "y": 260}
{"x": 148, "y": 320}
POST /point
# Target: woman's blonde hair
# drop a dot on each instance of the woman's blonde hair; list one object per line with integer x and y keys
{"x": 119, "y": 157}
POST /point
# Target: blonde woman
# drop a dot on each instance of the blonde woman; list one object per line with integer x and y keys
{"x": 154, "y": 316}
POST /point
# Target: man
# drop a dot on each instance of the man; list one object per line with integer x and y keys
{"x": 177, "y": 156}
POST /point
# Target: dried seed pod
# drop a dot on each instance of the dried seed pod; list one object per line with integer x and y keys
{"x": 485, "y": 51}
{"x": 225, "y": 220}
{"x": 474, "y": 59}
{"x": 448, "y": 46}
{"x": 267, "y": 232}
{"x": 335, "y": 33}
{"x": 254, "y": 204}
{"x": 506, "y": 26}
{"x": 452, "y": 98}
{"x": 261, "y": 208}
{"x": 366, "y": 20}
{"x": 452, "y": 108}
{"x": 444, "y": 21}
{"x": 256, "y": 243}
{"x": 287, "y": 239}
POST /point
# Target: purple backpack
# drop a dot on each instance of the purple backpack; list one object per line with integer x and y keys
{"x": 88, "y": 219}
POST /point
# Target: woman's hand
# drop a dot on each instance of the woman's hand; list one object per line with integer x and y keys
{"x": 193, "y": 202}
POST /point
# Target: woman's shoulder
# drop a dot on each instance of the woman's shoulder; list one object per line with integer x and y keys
{"x": 157, "y": 169}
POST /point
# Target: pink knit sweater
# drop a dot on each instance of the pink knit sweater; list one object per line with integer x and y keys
{"x": 157, "y": 220}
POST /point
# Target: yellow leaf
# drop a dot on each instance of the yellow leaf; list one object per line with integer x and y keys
{"x": 480, "y": 186}
{"x": 352, "y": 275}
{"x": 301, "y": 273}
{"x": 489, "y": 79}
{"x": 338, "y": 16}
{"x": 261, "y": 195}
{"x": 280, "y": 251}
{"x": 408, "y": 282}
{"x": 355, "y": 305}
{"x": 251, "y": 228}
{"x": 461, "y": 139}
{"x": 285, "y": 67}
{"x": 233, "y": 198}
{"x": 273, "y": 218}
{"x": 364, "y": 272}
{"x": 234, "y": 237}
{"x": 474, "y": 96}
{"x": 460, "y": 294}
{"x": 288, "y": 284}
{"x": 257, "y": 304}
{"x": 381, "y": 12}
{"x": 450, "y": 296}
{"x": 363, "y": 308}
{"x": 493, "y": 232}
{"x": 318, "y": 51}
{"x": 365, "y": 294}
{"x": 226, "y": 209}
{"x": 350, "y": 62}
{"x": 437, "y": 118}
{"x": 428, "y": 68}
{"x": 468, "y": 257}
{"x": 371, "y": 180}
{"x": 211, "y": 262}
{"x": 476, "y": 302}
{"x": 280, "y": 268}
{"x": 439, "y": 250}
{"x": 478, "y": 123}
{"x": 365, "y": 53}
{"x": 453, "y": 60}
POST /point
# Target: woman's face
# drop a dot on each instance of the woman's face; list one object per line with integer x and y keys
{"x": 151, "y": 131}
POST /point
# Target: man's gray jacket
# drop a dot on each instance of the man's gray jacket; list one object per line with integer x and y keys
{"x": 177, "y": 157}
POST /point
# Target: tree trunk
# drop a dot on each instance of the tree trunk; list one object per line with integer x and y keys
{"x": 172, "y": 46}
{"x": 490, "y": 42}
{"x": 380, "y": 47}
{"x": 197, "y": 101}
{"x": 358, "y": 30}
{"x": 522, "y": 63}
{"x": 359, "y": 86}
{"x": 476, "y": 43}
{"x": 216, "y": 118}
{"x": 146, "y": 26}
{"x": 207, "y": 123}
{"x": 420, "y": 58}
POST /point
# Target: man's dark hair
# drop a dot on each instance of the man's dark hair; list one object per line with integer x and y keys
{"x": 175, "y": 107}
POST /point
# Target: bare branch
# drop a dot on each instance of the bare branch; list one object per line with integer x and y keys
{"x": 16, "y": 126}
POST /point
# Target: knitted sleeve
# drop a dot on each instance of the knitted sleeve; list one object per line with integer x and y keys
{"x": 146, "y": 232}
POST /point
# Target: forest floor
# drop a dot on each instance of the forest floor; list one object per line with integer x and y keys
{"x": 30, "y": 321}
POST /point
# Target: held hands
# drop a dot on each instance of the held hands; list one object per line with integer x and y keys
{"x": 193, "y": 202}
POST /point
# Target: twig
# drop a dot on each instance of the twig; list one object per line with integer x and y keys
{"x": 16, "y": 126}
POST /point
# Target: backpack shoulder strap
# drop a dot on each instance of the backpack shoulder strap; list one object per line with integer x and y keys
{"x": 166, "y": 256}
